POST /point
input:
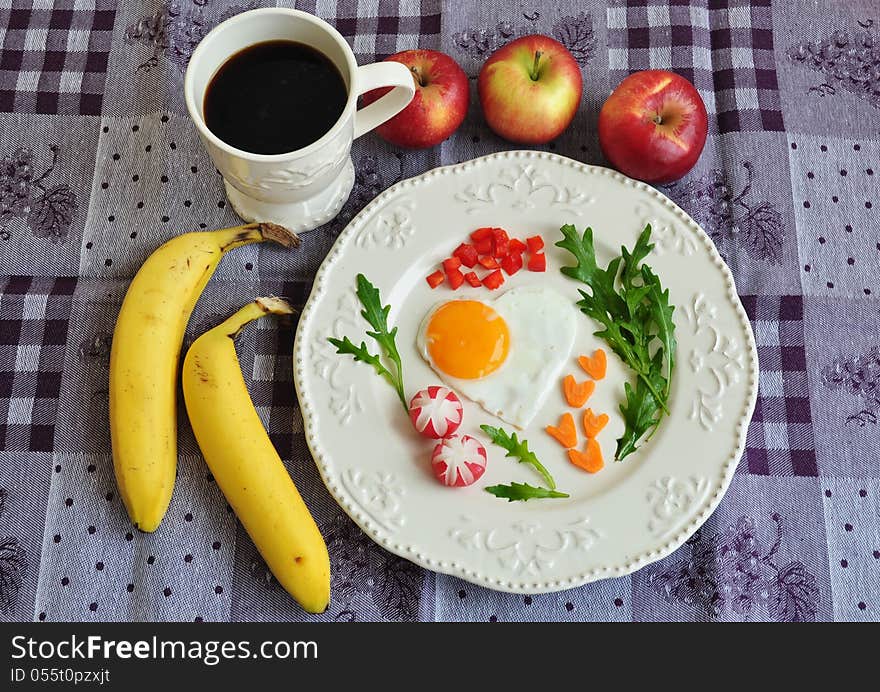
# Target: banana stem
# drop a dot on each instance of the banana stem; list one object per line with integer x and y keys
{"x": 269, "y": 305}
{"x": 279, "y": 234}
{"x": 254, "y": 233}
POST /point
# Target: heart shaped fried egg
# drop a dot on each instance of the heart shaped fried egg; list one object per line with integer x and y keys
{"x": 504, "y": 354}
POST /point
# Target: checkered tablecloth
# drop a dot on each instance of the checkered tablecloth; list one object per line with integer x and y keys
{"x": 99, "y": 164}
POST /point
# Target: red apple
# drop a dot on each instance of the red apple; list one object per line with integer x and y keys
{"x": 437, "y": 109}
{"x": 530, "y": 89}
{"x": 653, "y": 126}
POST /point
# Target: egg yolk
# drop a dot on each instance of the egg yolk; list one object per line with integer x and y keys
{"x": 467, "y": 339}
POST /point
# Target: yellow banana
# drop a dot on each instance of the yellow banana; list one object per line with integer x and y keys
{"x": 144, "y": 358}
{"x": 246, "y": 466}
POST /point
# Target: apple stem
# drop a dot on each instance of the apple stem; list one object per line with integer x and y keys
{"x": 418, "y": 76}
{"x": 534, "y": 73}
{"x": 658, "y": 120}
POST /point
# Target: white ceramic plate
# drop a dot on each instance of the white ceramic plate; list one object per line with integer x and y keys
{"x": 628, "y": 515}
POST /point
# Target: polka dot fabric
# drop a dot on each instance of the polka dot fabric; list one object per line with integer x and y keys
{"x": 851, "y": 510}
{"x": 609, "y": 600}
{"x": 836, "y": 201}
{"x": 133, "y": 192}
{"x": 96, "y": 568}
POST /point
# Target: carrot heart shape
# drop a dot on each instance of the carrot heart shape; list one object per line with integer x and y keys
{"x": 566, "y": 433}
{"x": 594, "y": 365}
{"x": 593, "y": 424}
{"x": 590, "y": 460}
{"x": 577, "y": 394}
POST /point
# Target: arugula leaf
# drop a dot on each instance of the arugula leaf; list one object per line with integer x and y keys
{"x": 641, "y": 413}
{"x": 661, "y": 313}
{"x": 634, "y": 294}
{"x": 587, "y": 271}
{"x": 633, "y": 259}
{"x": 361, "y": 354}
{"x": 522, "y": 491}
{"x": 377, "y": 317}
{"x": 637, "y": 324}
{"x": 518, "y": 449}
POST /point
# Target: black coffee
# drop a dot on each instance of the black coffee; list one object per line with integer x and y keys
{"x": 274, "y": 97}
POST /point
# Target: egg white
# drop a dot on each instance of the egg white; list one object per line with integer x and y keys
{"x": 542, "y": 326}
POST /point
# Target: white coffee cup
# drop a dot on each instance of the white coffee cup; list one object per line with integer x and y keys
{"x": 305, "y": 188}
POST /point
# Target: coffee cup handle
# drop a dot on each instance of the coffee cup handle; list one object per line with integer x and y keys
{"x": 376, "y": 76}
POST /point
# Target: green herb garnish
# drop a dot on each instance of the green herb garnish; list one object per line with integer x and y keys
{"x": 628, "y": 300}
{"x": 522, "y": 491}
{"x": 518, "y": 449}
{"x": 377, "y": 316}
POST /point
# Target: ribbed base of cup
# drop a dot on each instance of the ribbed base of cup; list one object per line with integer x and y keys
{"x": 296, "y": 216}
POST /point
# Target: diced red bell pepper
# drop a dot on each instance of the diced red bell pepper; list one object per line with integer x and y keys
{"x": 483, "y": 246}
{"x": 489, "y": 262}
{"x": 484, "y": 233}
{"x": 538, "y": 262}
{"x": 455, "y": 278}
{"x": 467, "y": 253}
{"x": 435, "y": 279}
{"x": 500, "y": 242}
{"x": 451, "y": 263}
{"x": 512, "y": 263}
{"x": 473, "y": 279}
{"x": 535, "y": 243}
{"x": 516, "y": 246}
{"x": 493, "y": 280}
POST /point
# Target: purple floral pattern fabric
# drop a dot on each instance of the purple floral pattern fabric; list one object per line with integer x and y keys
{"x": 48, "y": 211}
{"x": 175, "y": 30}
{"x": 99, "y": 164}
{"x": 736, "y": 572}
{"x": 860, "y": 376}
{"x": 732, "y": 217}
{"x": 13, "y": 565}
{"x": 846, "y": 59}
{"x": 575, "y": 33}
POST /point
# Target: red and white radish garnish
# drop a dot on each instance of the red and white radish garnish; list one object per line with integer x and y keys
{"x": 459, "y": 461}
{"x": 436, "y": 412}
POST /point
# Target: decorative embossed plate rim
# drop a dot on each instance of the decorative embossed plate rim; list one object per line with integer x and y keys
{"x": 677, "y": 506}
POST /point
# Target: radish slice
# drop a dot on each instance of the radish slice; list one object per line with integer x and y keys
{"x": 459, "y": 461}
{"x": 435, "y": 412}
